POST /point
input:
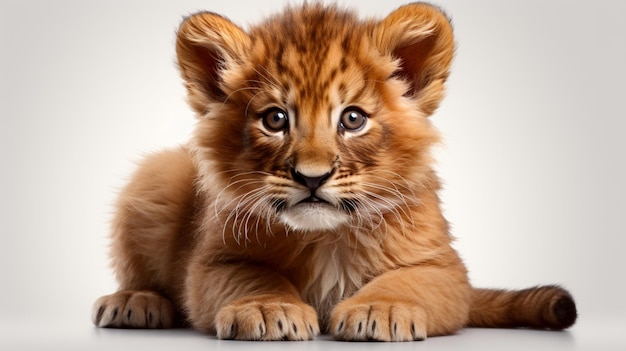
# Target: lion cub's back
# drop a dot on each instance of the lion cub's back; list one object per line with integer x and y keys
{"x": 152, "y": 229}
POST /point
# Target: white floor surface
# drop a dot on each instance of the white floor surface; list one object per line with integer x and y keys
{"x": 81, "y": 335}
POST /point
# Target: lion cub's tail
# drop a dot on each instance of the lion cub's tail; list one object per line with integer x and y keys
{"x": 544, "y": 307}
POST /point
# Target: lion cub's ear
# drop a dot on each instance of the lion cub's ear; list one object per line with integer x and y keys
{"x": 420, "y": 36}
{"x": 206, "y": 44}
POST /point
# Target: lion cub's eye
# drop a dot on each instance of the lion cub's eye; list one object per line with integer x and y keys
{"x": 275, "y": 120}
{"x": 352, "y": 119}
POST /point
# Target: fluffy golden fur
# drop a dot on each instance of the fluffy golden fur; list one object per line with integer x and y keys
{"x": 306, "y": 200}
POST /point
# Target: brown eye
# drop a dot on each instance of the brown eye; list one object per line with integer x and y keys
{"x": 352, "y": 119}
{"x": 275, "y": 120}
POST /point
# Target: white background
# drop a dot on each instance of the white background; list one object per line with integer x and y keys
{"x": 533, "y": 160}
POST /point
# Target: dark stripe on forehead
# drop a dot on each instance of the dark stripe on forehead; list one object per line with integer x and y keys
{"x": 279, "y": 58}
{"x": 296, "y": 116}
{"x": 343, "y": 66}
{"x": 346, "y": 45}
{"x": 329, "y": 114}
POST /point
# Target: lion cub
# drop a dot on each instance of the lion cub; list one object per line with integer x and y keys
{"x": 305, "y": 202}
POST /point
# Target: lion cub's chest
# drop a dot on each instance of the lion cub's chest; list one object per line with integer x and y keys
{"x": 335, "y": 272}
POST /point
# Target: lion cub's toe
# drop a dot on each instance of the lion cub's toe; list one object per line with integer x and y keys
{"x": 267, "y": 321}
{"x": 378, "y": 320}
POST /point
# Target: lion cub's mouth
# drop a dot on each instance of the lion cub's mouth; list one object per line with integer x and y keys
{"x": 313, "y": 200}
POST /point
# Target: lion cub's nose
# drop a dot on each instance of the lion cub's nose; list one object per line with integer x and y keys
{"x": 310, "y": 182}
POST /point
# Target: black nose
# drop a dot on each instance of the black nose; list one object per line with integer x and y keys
{"x": 310, "y": 182}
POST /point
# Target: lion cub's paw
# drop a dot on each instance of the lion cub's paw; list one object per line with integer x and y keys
{"x": 133, "y": 309}
{"x": 381, "y": 321}
{"x": 267, "y": 321}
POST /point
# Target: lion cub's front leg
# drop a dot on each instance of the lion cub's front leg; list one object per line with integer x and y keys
{"x": 248, "y": 303}
{"x": 403, "y": 305}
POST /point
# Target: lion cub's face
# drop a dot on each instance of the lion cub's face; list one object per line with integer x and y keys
{"x": 314, "y": 126}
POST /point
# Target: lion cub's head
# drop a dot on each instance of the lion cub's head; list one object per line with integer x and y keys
{"x": 315, "y": 119}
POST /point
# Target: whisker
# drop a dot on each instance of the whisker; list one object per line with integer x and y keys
{"x": 272, "y": 80}
{"x": 259, "y": 201}
{"x": 369, "y": 204}
{"x": 240, "y": 90}
{"x": 228, "y": 204}
{"x": 405, "y": 209}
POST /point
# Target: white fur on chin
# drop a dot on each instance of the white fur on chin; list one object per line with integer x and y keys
{"x": 313, "y": 217}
